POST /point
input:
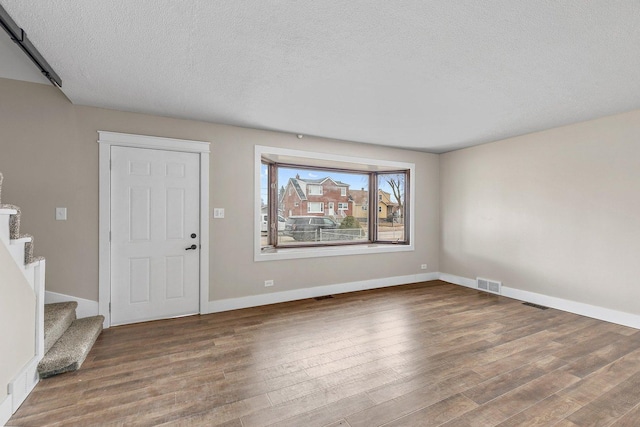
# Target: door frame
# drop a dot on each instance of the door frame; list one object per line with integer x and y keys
{"x": 108, "y": 139}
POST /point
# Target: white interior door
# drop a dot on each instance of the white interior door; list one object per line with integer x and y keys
{"x": 154, "y": 219}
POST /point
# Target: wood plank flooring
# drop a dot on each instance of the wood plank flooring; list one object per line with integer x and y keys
{"x": 426, "y": 354}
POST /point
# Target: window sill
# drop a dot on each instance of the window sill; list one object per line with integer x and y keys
{"x": 275, "y": 254}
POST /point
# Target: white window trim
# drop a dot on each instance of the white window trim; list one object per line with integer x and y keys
{"x": 315, "y": 203}
{"x": 315, "y": 187}
{"x": 310, "y": 158}
{"x": 343, "y": 191}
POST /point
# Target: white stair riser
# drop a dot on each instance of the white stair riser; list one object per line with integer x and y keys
{"x": 16, "y": 248}
{"x": 4, "y": 228}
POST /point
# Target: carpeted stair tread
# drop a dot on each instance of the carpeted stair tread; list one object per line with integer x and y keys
{"x": 72, "y": 348}
{"x": 57, "y": 318}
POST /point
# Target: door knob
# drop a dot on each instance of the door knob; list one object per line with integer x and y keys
{"x": 191, "y": 247}
{"x": 193, "y": 235}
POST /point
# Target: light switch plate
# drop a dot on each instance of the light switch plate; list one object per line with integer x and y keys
{"x": 218, "y": 212}
{"x": 61, "y": 214}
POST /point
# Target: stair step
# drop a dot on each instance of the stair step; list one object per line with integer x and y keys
{"x": 72, "y": 348}
{"x": 57, "y": 319}
{"x": 5, "y": 215}
{"x": 14, "y": 221}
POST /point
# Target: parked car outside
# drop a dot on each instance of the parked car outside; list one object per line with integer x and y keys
{"x": 308, "y": 227}
{"x": 264, "y": 226}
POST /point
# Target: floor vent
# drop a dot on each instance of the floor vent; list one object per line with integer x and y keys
{"x": 323, "y": 297}
{"x": 489, "y": 285}
{"x": 530, "y": 304}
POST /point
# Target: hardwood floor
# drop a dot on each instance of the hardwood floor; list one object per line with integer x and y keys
{"x": 426, "y": 354}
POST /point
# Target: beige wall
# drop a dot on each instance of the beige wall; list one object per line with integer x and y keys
{"x": 17, "y": 320}
{"x": 555, "y": 212}
{"x": 49, "y": 156}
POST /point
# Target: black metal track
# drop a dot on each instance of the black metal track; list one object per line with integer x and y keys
{"x": 18, "y": 35}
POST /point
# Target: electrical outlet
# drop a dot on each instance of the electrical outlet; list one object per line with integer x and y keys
{"x": 268, "y": 283}
{"x": 423, "y": 267}
{"x": 218, "y": 212}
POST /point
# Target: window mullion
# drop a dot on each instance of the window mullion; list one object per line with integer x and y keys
{"x": 273, "y": 205}
{"x": 373, "y": 207}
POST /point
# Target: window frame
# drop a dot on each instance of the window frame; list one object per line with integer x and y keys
{"x": 315, "y": 187}
{"x": 325, "y": 161}
{"x": 315, "y": 203}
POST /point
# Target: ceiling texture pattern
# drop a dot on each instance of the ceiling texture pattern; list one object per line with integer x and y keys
{"x": 425, "y": 75}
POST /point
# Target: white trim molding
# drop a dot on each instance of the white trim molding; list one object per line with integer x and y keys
{"x": 153, "y": 142}
{"x": 108, "y": 139}
{"x": 23, "y": 383}
{"x": 86, "y": 308}
{"x": 303, "y": 293}
{"x": 588, "y": 310}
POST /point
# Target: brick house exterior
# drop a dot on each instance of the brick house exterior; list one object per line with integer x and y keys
{"x": 318, "y": 197}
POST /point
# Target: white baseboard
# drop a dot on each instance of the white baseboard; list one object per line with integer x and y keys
{"x": 5, "y": 410}
{"x": 595, "y": 312}
{"x": 457, "y": 280}
{"x": 23, "y": 383}
{"x": 298, "y": 294}
{"x": 86, "y": 308}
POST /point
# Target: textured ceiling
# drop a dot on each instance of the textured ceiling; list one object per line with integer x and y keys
{"x": 426, "y": 75}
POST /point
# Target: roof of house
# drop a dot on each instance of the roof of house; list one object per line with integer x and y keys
{"x": 300, "y": 185}
{"x": 322, "y": 180}
{"x": 296, "y": 185}
{"x": 359, "y": 197}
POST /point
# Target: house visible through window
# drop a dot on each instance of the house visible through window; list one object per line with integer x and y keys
{"x": 332, "y": 206}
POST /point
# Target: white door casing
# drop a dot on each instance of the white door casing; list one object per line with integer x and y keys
{"x": 173, "y": 268}
{"x": 154, "y": 213}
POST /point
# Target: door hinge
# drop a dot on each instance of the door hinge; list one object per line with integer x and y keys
{"x": 109, "y": 308}
{"x": 110, "y": 163}
{"x": 109, "y": 236}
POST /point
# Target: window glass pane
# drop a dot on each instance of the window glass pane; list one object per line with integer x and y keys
{"x": 315, "y": 207}
{"x": 391, "y": 207}
{"x": 315, "y": 190}
{"x": 322, "y": 206}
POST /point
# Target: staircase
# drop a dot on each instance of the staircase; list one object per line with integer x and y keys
{"x": 62, "y": 341}
{"x": 67, "y": 340}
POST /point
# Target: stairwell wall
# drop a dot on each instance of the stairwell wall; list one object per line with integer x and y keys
{"x": 17, "y": 320}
